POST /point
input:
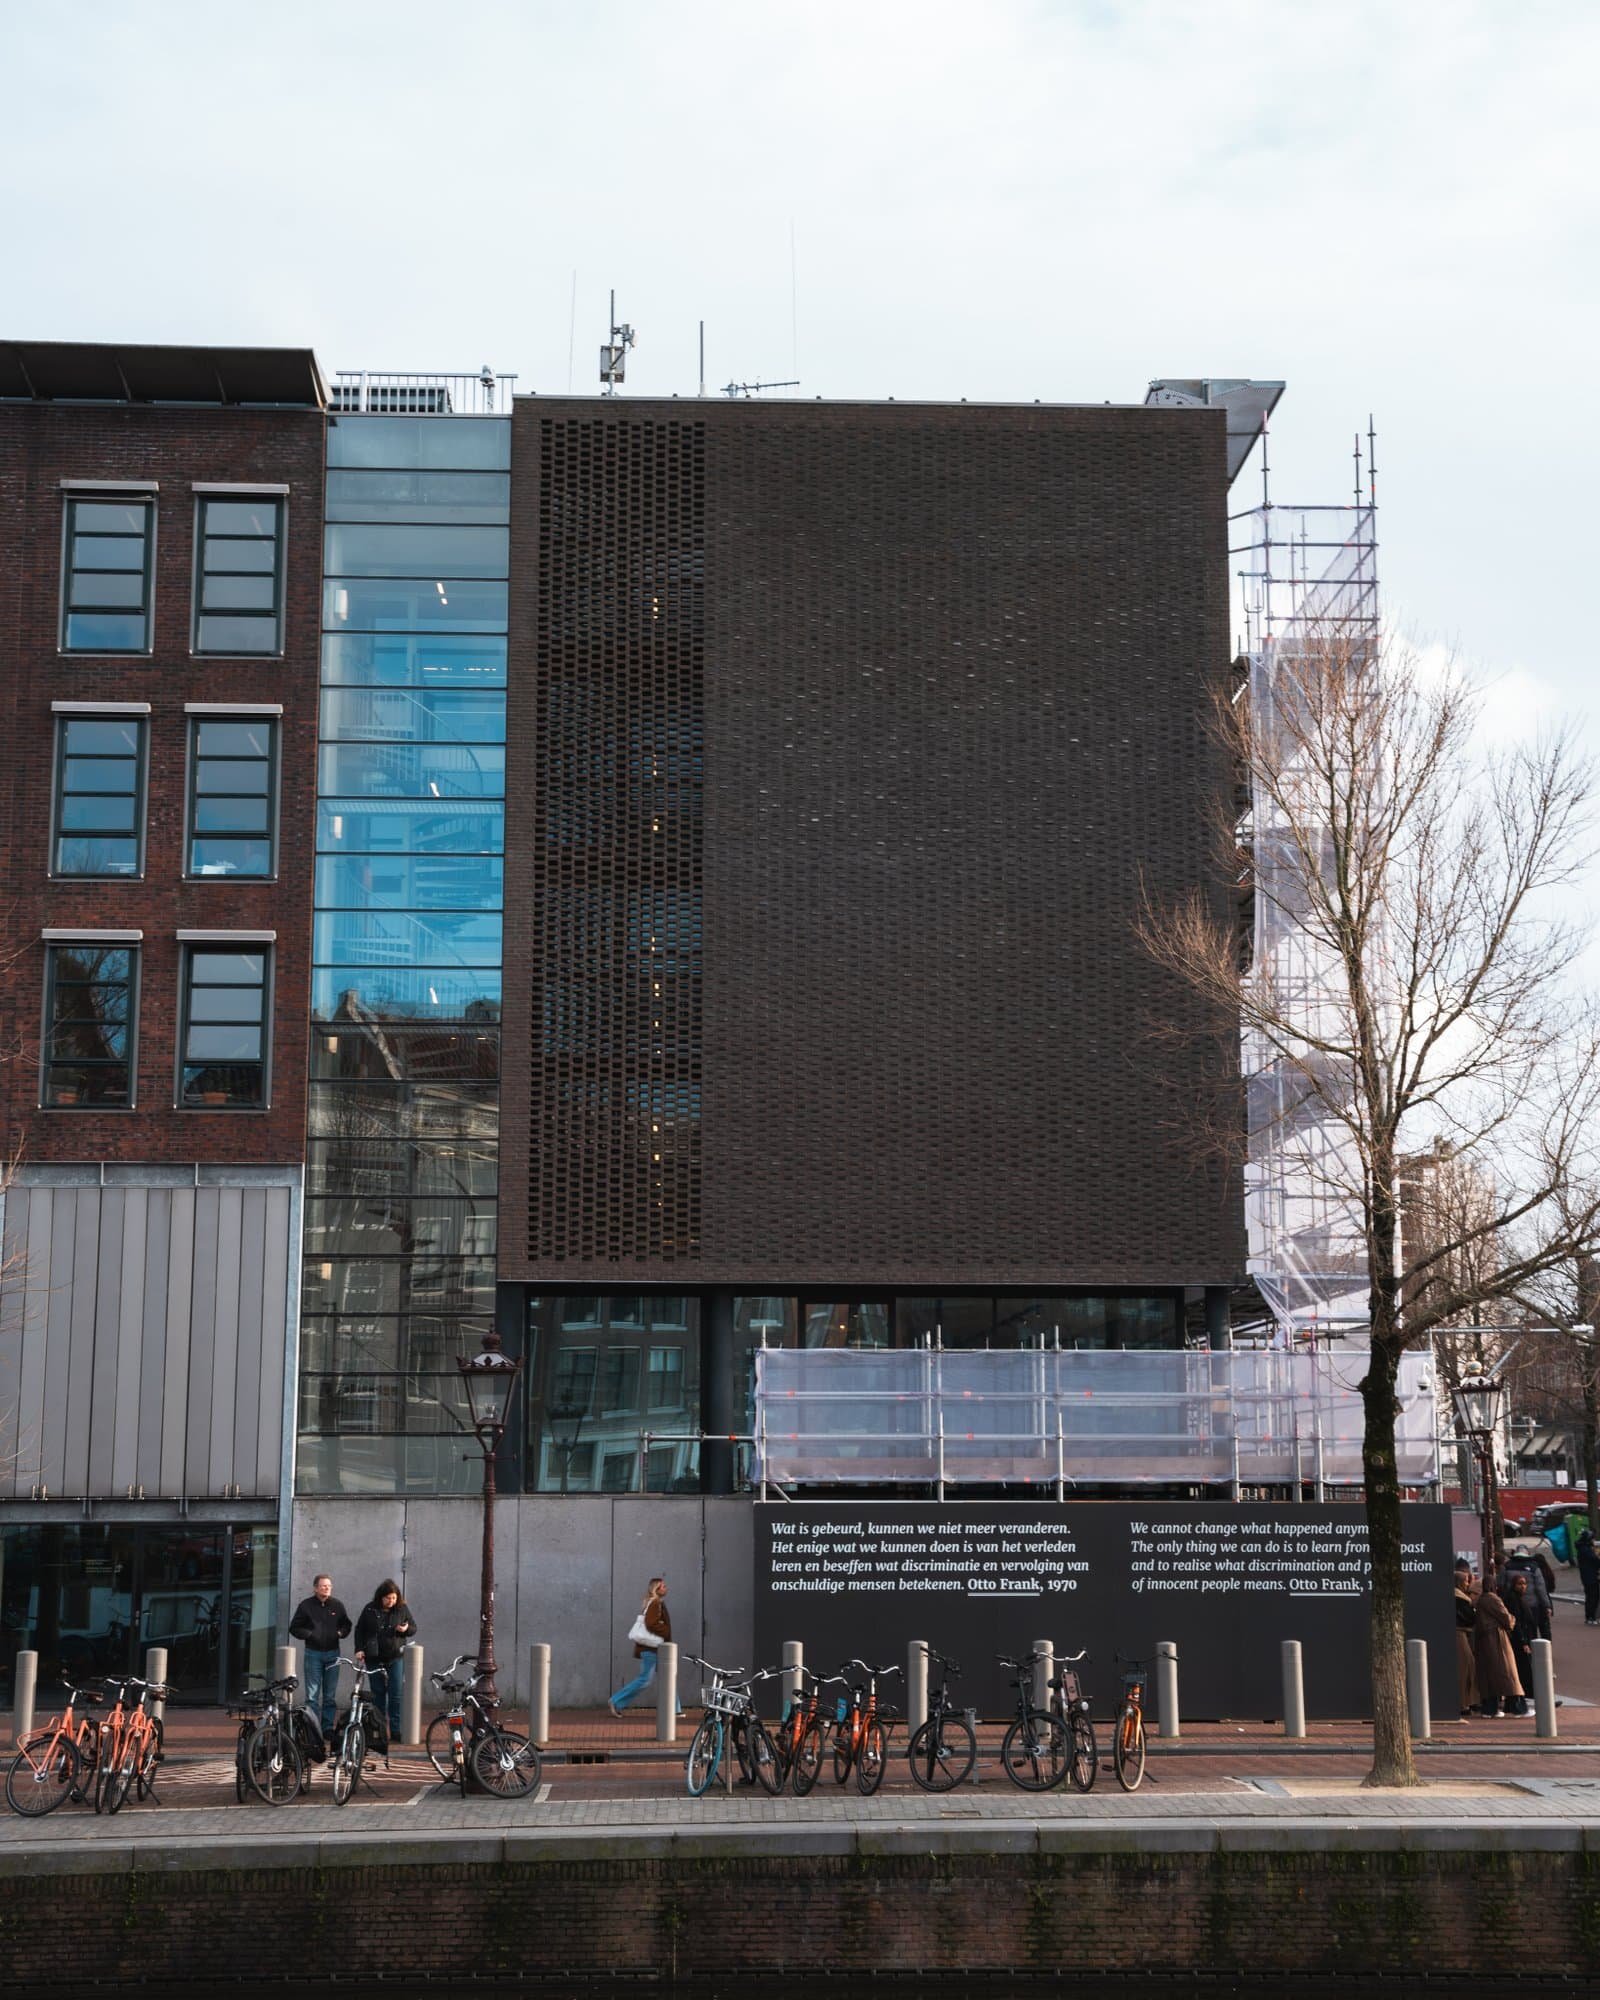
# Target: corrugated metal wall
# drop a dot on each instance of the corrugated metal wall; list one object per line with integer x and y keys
{"x": 142, "y": 1335}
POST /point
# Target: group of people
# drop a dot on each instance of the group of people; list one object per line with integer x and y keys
{"x": 1496, "y": 1625}
{"x": 322, "y": 1624}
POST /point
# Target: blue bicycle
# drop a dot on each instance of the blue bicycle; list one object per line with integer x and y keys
{"x": 730, "y": 1719}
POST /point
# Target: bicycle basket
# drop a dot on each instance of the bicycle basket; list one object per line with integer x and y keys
{"x": 1133, "y": 1686}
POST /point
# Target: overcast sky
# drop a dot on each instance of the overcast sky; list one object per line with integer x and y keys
{"x": 1393, "y": 207}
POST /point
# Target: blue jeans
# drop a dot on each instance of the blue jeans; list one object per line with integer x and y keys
{"x": 388, "y": 1688}
{"x": 640, "y": 1681}
{"x": 322, "y": 1687}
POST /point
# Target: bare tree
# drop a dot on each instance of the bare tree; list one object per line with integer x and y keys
{"x": 1558, "y": 1373}
{"x": 1425, "y": 873}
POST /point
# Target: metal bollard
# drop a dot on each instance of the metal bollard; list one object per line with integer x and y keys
{"x": 539, "y": 1694}
{"x": 1044, "y": 1666}
{"x": 26, "y": 1687}
{"x": 411, "y": 1693}
{"x": 288, "y": 1663}
{"x": 1167, "y": 1687}
{"x": 155, "y": 1671}
{"x": 792, "y": 1686}
{"x": 1544, "y": 1689}
{"x": 1294, "y": 1690}
{"x": 1417, "y": 1690}
{"x": 916, "y": 1685}
{"x": 667, "y": 1693}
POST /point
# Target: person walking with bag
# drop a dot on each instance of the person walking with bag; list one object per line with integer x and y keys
{"x": 652, "y": 1628}
{"x": 381, "y": 1634}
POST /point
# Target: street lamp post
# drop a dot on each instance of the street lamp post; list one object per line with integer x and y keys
{"x": 489, "y": 1376}
{"x": 1477, "y": 1401}
{"x": 566, "y": 1422}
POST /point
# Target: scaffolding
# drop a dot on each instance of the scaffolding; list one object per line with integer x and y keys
{"x": 1307, "y": 572}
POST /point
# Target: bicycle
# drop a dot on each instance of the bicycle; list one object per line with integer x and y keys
{"x": 267, "y": 1757}
{"x": 1033, "y": 1752}
{"x": 1127, "y": 1747}
{"x": 466, "y": 1737}
{"x": 944, "y": 1749}
{"x": 1068, "y": 1701}
{"x": 138, "y": 1744}
{"x": 812, "y": 1746}
{"x": 860, "y": 1738}
{"x": 363, "y": 1725}
{"x": 730, "y": 1716}
{"x": 57, "y": 1763}
{"x": 797, "y": 1713}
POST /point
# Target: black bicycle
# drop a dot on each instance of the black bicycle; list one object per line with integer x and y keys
{"x": 361, "y": 1728}
{"x": 266, "y": 1756}
{"x": 1033, "y": 1752}
{"x": 467, "y": 1737}
{"x": 1071, "y": 1704}
{"x": 943, "y": 1751}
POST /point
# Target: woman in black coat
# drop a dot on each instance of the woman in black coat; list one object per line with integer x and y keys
{"x": 381, "y": 1634}
{"x": 1529, "y": 1621}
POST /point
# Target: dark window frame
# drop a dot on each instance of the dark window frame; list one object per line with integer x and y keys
{"x": 49, "y": 1062}
{"x": 273, "y": 619}
{"x": 70, "y": 570}
{"x": 189, "y": 951}
{"x": 59, "y": 833}
{"x": 192, "y": 794}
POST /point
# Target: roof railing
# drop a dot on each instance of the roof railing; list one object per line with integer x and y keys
{"x": 388, "y": 393}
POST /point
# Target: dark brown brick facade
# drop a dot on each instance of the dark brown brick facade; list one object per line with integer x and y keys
{"x": 40, "y": 445}
{"x": 951, "y": 665}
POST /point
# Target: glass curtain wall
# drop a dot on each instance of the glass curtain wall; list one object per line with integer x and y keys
{"x": 402, "y": 1152}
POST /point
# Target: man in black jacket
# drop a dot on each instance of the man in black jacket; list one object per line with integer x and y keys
{"x": 320, "y": 1622}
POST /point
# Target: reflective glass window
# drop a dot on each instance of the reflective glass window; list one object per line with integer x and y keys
{"x": 369, "y": 826}
{"x": 413, "y": 659}
{"x": 454, "y": 443}
{"x": 946, "y": 1322}
{"x": 418, "y": 496}
{"x": 409, "y": 715}
{"x": 846, "y": 1323}
{"x": 91, "y": 994}
{"x": 106, "y": 589}
{"x": 422, "y": 882}
{"x": 376, "y": 1166}
{"x": 99, "y": 794}
{"x": 413, "y": 770}
{"x": 397, "y": 937}
{"x": 439, "y": 993}
{"x": 224, "y": 1029}
{"x": 404, "y": 1110}
{"x": 233, "y": 788}
{"x": 434, "y": 550}
{"x": 238, "y": 584}
{"x": 378, "y": 1054}
{"x": 358, "y": 604}
{"x": 598, "y": 1375}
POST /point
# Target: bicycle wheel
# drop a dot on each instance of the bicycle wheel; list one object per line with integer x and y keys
{"x": 105, "y": 1768}
{"x": 505, "y": 1764}
{"x": 273, "y": 1765}
{"x": 1085, "y": 1764}
{"x": 705, "y": 1754}
{"x": 871, "y": 1758}
{"x": 942, "y": 1753}
{"x": 765, "y": 1758}
{"x": 743, "y": 1751}
{"x": 149, "y": 1757}
{"x": 844, "y": 1752}
{"x": 347, "y": 1765}
{"x": 1034, "y": 1754}
{"x": 87, "y": 1745}
{"x": 441, "y": 1746}
{"x": 43, "y": 1773}
{"x": 241, "y": 1781}
{"x": 1128, "y": 1750}
{"x": 122, "y": 1778}
{"x": 808, "y": 1760}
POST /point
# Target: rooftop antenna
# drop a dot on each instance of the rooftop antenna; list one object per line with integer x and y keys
{"x": 748, "y": 389}
{"x": 486, "y": 377}
{"x": 702, "y": 357}
{"x": 613, "y": 355}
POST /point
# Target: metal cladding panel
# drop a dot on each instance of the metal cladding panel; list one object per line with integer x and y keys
{"x": 843, "y": 739}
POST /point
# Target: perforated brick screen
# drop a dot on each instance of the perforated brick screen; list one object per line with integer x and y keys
{"x": 841, "y": 736}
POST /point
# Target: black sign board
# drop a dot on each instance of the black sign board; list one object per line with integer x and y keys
{"x": 1227, "y": 1582}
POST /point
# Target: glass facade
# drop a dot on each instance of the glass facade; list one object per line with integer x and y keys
{"x": 402, "y": 1152}
{"x": 613, "y": 1394}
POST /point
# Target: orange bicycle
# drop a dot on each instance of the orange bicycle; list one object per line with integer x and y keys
{"x": 56, "y": 1764}
{"x": 130, "y": 1745}
{"x": 860, "y": 1738}
{"x": 1127, "y": 1749}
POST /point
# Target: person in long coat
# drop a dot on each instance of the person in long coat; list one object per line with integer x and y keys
{"x": 1492, "y": 1654}
{"x": 1466, "y": 1665}
{"x": 1529, "y": 1621}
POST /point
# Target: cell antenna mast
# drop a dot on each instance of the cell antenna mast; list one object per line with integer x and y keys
{"x": 755, "y": 388}
{"x": 613, "y": 356}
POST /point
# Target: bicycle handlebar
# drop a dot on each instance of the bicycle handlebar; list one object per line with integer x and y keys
{"x": 944, "y": 1659}
{"x": 718, "y": 1673}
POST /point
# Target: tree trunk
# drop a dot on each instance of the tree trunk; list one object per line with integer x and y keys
{"x": 1392, "y": 1762}
{"x": 1588, "y": 1307}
